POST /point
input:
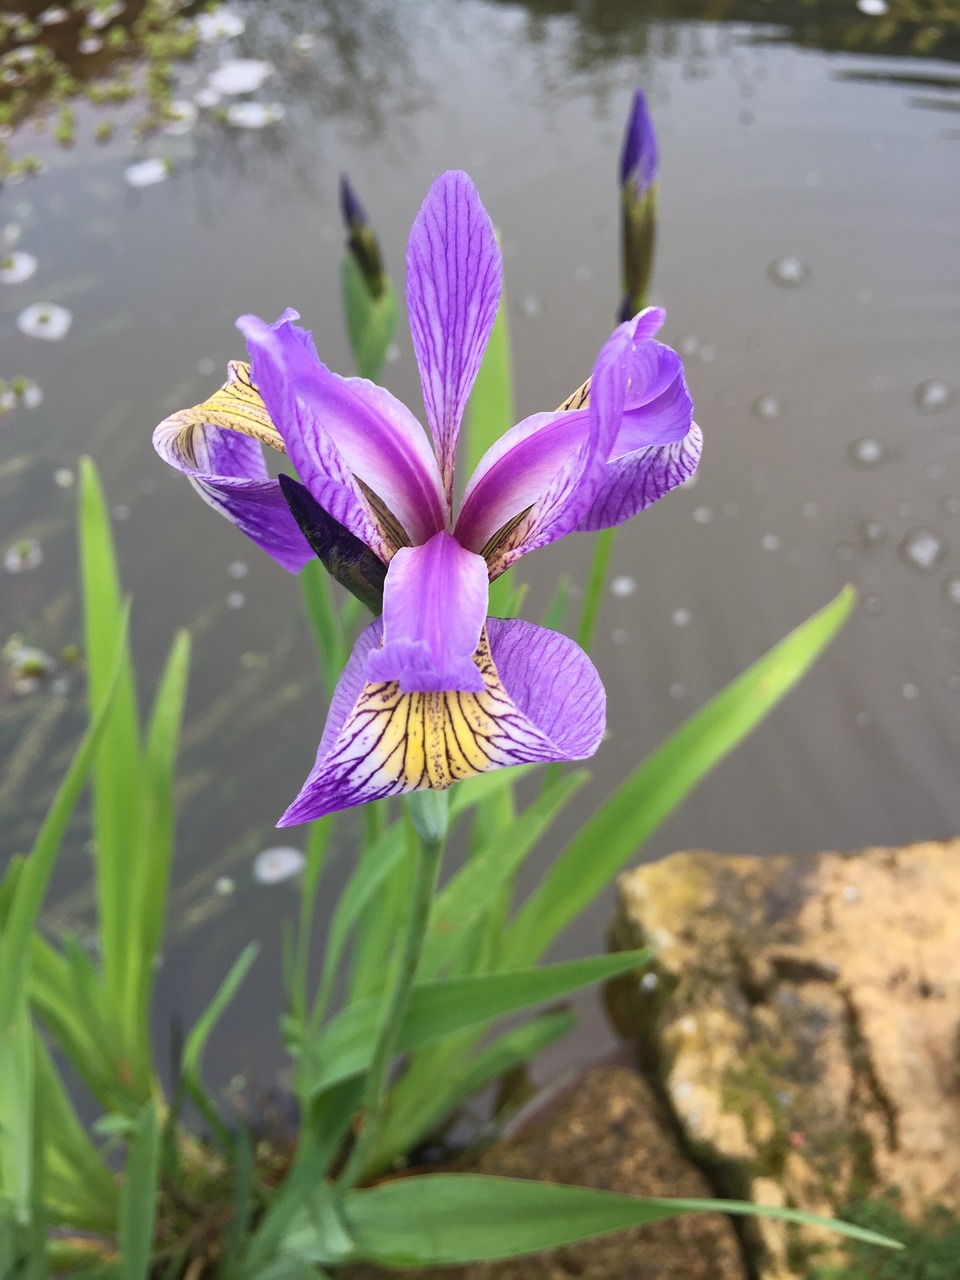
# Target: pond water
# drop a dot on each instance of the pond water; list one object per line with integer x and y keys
{"x": 808, "y": 258}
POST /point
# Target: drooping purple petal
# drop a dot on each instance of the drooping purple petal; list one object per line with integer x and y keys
{"x": 636, "y": 480}
{"x": 337, "y": 429}
{"x": 658, "y": 407}
{"x": 434, "y": 604}
{"x": 227, "y": 468}
{"x": 547, "y": 704}
{"x": 454, "y": 277}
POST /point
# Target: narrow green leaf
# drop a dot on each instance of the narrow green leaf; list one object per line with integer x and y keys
{"x": 484, "y": 787}
{"x": 555, "y": 613}
{"x": 412, "y": 1117}
{"x": 490, "y": 409}
{"x": 138, "y": 1196}
{"x": 17, "y": 1112}
{"x": 450, "y": 1219}
{"x": 320, "y": 606}
{"x": 440, "y": 1008}
{"x": 617, "y": 830}
{"x": 318, "y": 844}
{"x": 381, "y": 922}
{"x": 465, "y": 899}
{"x": 117, "y": 775}
{"x": 596, "y": 582}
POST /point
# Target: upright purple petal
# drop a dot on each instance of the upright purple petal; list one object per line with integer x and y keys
{"x": 434, "y": 604}
{"x": 342, "y": 430}
{"x": 225, "y": 465}
{"x": 454, "y": 276}
{"x": 542, "y": 700}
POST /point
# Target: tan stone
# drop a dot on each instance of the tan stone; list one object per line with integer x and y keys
{"x": 804, "y": 1024}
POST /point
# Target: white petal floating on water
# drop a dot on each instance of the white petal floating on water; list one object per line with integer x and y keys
{"x": 45, "y": 320}
{"x": 53, "y": 16}
{"x": 145, "y": 173}
{"x": 873, "y": 8}
{"x": 240, "y": 75}
{"x": 273, "y": 866}
{"x": 102, "y": 15}
{"x": 181, "y": 117}
{"x": 207, "y": 98}
{"x": 922, "y": 549}
{"x": 223, "y": 24}
{"x": 16, "y": 267}
{"x": 23, "y": 555}
{"x": 788, "y": 272}
{"x": 934, "y": 395}
{"x": 254, "y": 115}
{"x": 28, "y": 666}
{"x": 22, "y": 391}
{"x": 305, "y": 42}
{"x": 90, "y": 44}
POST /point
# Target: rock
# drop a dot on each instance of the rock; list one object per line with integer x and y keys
{"x": 609, "y": 1133}
{"x": 801, "y": 1021}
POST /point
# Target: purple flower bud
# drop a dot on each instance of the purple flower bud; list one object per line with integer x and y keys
{"x": 362, "y": 242}
{"x": 639, "y": 158}
{"x": 638, "y": 196}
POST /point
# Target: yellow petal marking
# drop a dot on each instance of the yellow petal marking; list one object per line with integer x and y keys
{"x": 236, "y": 406}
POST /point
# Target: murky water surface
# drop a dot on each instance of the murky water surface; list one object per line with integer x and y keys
{"x": 807, "y": 258}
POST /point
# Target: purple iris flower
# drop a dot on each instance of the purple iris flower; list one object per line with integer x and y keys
{"x": 434, "y": 690}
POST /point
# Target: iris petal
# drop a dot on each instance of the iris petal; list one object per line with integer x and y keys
{"x": 636, "y": 480}
{"x": 542, "y": 700}
{"x": 217, "y": 444}
{"x": 454, "y": 275}
{"x": 338, "y": 429}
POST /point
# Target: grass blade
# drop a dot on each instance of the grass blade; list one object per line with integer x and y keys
{"x": 616, "y": 831}
{"x": 138, "y": 1196}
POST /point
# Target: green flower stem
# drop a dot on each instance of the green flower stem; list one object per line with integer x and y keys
{"x": 429, "y": 815}
{"x": 595, "y": 585}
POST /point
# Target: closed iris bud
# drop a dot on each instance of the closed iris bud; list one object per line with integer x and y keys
{"x": 638, "y": 193}
{"x": 361, "y": 239}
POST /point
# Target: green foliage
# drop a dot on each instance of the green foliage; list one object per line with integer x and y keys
{"x": 931, "y": 1247}
{"x": 371, "y": 319}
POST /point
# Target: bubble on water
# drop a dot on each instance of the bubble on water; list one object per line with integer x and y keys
{"x": 23, "y": 555}
{"x": 207, "y": 367}
{"x": 788, "y": 272}
{"x": 240, "y": 75}
{"x": 873, "y": 603}
{"x": 531, "y": 306}
{"x": 872, "y": 533}
{"x": 623, "y": 586}
{"x": 702, "y": 515}
{"x": 223, "y": 886}
{"x": 909, "y": 690}
{"x": 207, "y": 98}
{"x": 688, "y": 345}
{"x": 238, "y": 568}
{"x": 649, "y": 982}
{"x": 766, "y": 407}
{"x": 867, "y": 452}
{"x": 708, "y": 353}
{"x": 16, "y": 267}
{"x": 933, "y": 395}
{"x": 147, "y": 173}
{"x": 273, "y": 866}
{"x": 180, "y": 119}
{"x": 922, "y": 549}
{"x": 10, "y": 235}
{"x": 254, "y": 115}
{"x": 681, "y": 617}
{"x": 620, "y": 635}
{"x": 392, "y": 354}
{"x": 770, "y": 542}
{"x": 222, "y": 24}
{"x": 45, "y": 320}
{"x": 583, "y": 274}
{"x": 810, "y": 510}
{"x": 63, "y": 477}
{"x": 951, "y": 589}
{"x": 863, "y": 719}
{"x": 235, "y": 600}
{"x": 873, "y": 8}
{"x": 678, "y": 689}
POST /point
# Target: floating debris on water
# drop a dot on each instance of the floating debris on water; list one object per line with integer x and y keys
{"x": 702, "y": 515}
{"x": 872, "y": 533}
{"x": 224, "y": 886}
{"x": 235, "y": 600}
{"x": 766, "y": 407}
{"x": 677, "y": 689}
{"x": 207, "y": 367}
{"x": 254, "y": 115}
{"x": 63, "y": 477}
{"x": 17, "y": 267}
{"x": 788, "y": 272}
{"x": 922, "y": 549}
{"x": 909, "y": 690}
{"x": 619, "y": 635}
{"x": 45, "y": 320}
{"x": 23, "y": 392}
{"x": 207, "y": 98}
{"x": 222, "y": 24}
{"x": 623, "y": 586}
{"x": 23, "y": 555}
{"x": 53, "y": 16}
{"x": 273, "y": 866}
{"x": 933, "y": 396}
{"x": 770, "y": 542}
{"x": 531, "y": 306}
{"x": 239, "y": 75}
{"x": 180, "y": 117}
{"x": 238, "y": 568}
{"x": 873, "y": 8}
{"x": 867, "y": 452}
{"x": 90, "y": 45}
{"x": 305, "y": 42}
{"x": 146, "y": 173}
{"x": 681, "y": 617}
